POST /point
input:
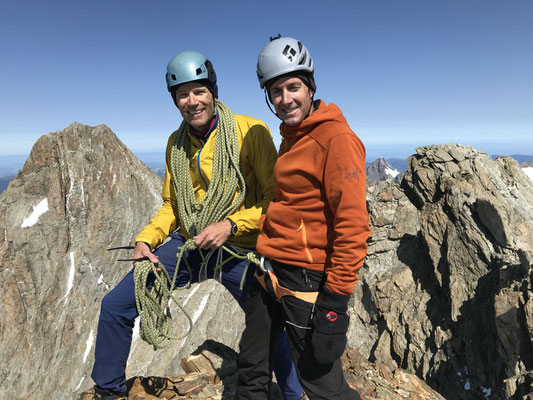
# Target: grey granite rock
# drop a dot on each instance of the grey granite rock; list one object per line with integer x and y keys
{"x": 445, "y": 292}
{"x": 446, "y": 288}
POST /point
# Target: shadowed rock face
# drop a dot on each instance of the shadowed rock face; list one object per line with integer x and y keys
{"x": 447, "y": 282}
{"x": 445, "y": 292}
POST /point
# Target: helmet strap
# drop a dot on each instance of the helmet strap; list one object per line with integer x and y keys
{"x": 267, "y": 100}
{"x": 312, "y": 108}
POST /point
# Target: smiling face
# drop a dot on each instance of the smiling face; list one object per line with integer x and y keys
{"x": 196, "y": 105}
{"x": 292, "y": 99}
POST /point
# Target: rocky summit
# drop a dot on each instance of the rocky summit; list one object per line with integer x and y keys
{"x": 443, "y": 308}
{"x": 80, "y": 191}
{"x": 446, "y": 287}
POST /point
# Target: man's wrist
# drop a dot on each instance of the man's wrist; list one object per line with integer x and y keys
{"x": 334, "y": 301}
{"x": 233, "y": 229}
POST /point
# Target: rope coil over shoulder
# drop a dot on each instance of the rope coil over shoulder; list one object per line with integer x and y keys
{"x": 225, "y": 193}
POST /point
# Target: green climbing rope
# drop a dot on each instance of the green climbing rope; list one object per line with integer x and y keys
{"x": 225, "y": 193}
{"x": 226, "y": 179}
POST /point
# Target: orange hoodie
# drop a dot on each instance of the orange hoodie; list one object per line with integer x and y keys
{"x": 318, "y": 219}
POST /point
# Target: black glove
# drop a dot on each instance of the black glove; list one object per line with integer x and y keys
{"x": 330, "y": 324}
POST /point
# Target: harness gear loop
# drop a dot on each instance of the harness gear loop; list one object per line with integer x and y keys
{"x": 225, "y": 194}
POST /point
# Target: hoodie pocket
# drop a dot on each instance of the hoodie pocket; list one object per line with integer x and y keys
{"x": 280, "y": 221}
{"x": 284, "y": 224}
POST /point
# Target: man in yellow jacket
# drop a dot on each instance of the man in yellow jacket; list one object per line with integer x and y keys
{"x": 197, "y": 155}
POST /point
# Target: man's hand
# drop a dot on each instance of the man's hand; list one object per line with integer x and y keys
{"x": 330, "y": 325}
{"x": 143, "y": 250}
{"x": 213, "y": 236}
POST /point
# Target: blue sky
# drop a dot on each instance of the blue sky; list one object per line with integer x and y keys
{"x": 404, "y": 72}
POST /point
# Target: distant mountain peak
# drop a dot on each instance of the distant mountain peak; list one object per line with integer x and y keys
{"x": 381, "y": 170}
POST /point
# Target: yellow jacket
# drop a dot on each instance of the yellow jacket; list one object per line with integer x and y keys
{"x": 257, "y": 159}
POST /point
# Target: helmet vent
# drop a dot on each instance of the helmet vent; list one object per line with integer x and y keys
{"x": 289, "y": 52}
{"x": 198, "y": 71}
{"x": 303, "y": 59}
{"x": 173, "y": 77}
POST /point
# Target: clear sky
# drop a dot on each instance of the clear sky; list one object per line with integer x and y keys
{"x": 404, "y": 72}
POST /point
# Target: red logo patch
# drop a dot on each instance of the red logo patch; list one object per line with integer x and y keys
{"x": 331, "y": 316}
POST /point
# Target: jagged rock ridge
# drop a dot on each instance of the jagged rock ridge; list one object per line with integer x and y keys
{"x": 447, "y": 281}
{"x": 447, "y": 277}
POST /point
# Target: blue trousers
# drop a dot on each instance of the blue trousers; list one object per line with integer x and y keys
{"x": 118, "y": 313}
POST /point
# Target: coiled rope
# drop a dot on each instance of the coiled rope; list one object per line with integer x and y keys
{"x": 225, "y": 193}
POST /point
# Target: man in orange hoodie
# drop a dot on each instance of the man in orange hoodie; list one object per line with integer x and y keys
{"x": 313, "y": 236}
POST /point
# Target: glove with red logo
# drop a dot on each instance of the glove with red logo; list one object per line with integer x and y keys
{"x": 330, "y": 324}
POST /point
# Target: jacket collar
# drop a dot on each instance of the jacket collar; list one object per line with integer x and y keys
{"x": 205, "y": 134}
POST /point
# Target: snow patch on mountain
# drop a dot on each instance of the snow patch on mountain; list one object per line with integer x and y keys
{"x": 38, "y": 210}
{"x": 529, "y": 172}
{"x": 392, "y": 172}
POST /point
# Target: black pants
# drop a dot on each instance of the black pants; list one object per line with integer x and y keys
{"x": 265, "y": 320}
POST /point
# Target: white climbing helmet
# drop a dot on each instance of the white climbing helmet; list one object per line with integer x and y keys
{"x": 281, "y": 56}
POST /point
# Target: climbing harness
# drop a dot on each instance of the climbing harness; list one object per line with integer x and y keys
{"x": 225, "y": 193}
{"x": 268, "y": 280}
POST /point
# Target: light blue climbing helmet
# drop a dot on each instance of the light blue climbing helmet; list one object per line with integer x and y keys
{"x": 191, "y": 66}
